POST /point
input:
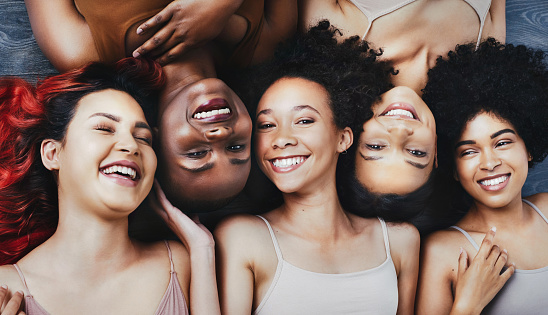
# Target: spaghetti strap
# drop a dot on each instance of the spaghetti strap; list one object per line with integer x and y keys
{"x": 274, "y": 240}
{"x": 536, "y": 209}
{"x": 385, "y": 236}
{"x": 470, "y": 239}
{"x": 22, "y": 280}
{"x": 170, "y": 257}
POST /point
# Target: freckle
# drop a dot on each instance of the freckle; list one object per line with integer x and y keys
{"x": 452, "y": 269}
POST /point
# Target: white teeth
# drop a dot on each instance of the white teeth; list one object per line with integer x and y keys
{"x": 210, "y": 113}
{"x": 122, "y": 170}
{"x": 288, "y": 162}
{"x": 494, "y": 181}
{"x": 399, "y": 112}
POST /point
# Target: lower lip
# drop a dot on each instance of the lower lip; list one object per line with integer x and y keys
{"x": 496, "y": 187}
{"x": 121, "y": 180}
{"x": 286, "y": 169}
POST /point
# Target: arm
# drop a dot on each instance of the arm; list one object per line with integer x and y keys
{"x": 236, "y": 278}
{"x": 62, "y": 33}
{"x": 405, "y": 246}
{"x": 199, "y": 242}
{"x": 498, "y": 17}
{"x": 186, "y": 24}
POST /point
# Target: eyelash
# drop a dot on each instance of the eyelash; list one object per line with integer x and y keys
{"x": 417, "y": 153}
{"x": 196, "y": 154}
{"x": 265, "y": 126}
{"x": 503, "y": 142}
{"x": 305, "y": 121}
{"x": 375, "y": 147}
{"x": 102, "y": 127}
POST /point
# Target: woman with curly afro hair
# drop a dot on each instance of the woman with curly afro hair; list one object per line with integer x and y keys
{"x": 310, "y": 255}
{"x": 490, "y": 106}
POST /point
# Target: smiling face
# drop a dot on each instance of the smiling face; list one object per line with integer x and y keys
{"x": 491, "y": 161}
{"x": 396, "y": 151}
{"x": 204, "y": 136}
{"x": 106, "y": 159}
{"x": 297, "y": 141}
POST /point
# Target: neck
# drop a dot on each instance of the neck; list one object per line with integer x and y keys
{"x": 509, "y": 217}
{"x": 195, "y": 65}
{"x": 318, "y": 211}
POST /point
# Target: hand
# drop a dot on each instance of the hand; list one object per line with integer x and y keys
{"x": 14, "y": 304}
{"x": 190, "y": 231}
{"x": 478, "y": 283}
{"x": 186, "y": 24}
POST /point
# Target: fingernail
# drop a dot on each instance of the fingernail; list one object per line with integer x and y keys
{"x": 136, "y": 54}
{"x": 494, "y": 229}
{"x": 505, "y": 251}
{"x": 20, "y": 292}
{"x": 4, "y": 286}
{"x": 139, "y": 30}
{"x": 461, "y": 250}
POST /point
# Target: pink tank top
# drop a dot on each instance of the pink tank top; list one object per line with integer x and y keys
{"x": 373, "y": 9}
{"x": 298, "y": 291}
{"x": 173, "y": 302}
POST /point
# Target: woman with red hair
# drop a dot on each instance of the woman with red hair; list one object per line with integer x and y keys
{"x": 77, "y": 159}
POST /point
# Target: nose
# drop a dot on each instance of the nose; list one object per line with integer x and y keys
{"x": 218, "y": 133}
{"x": 127, "y": 143}
{"x": 400, "y": 129}
{"x": 489, "y": 160}
{"x": 283, "y": 139}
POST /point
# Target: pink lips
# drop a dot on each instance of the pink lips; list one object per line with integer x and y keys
{"x": 494, "y": 187}
{"x": 211, "y": 105}
{"x": 403, "y": 106}
{"x": 123, "y": 180}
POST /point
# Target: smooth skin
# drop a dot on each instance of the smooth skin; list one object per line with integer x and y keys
{"x": 314, "y": 232}
{"x": 490, "y": 146}
{"x": 413, "y": 36}
{"x": 90, "y": 260}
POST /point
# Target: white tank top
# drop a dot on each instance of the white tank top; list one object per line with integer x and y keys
{"x": 526, "y": 291}
{"x": 298, "y": 291}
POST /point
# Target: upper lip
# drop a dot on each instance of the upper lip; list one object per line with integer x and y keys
{"x": 214, "y": 104}
{"x": 493, "y": 177}
{"x": 404, "y": 106}
{"x": 125, "y": 163}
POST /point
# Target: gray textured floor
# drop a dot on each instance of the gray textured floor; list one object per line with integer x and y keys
{"x": 527, "y": 23}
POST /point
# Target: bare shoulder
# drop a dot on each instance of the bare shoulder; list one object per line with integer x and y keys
{"x": 404, "y": 235}
{"x": 540, "y": 200}
{"x": 239, "y": 226}
{"x": 443, "y": 247}
{"x": 10, "y": 277}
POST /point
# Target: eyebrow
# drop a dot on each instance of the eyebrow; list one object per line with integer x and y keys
{"x": 375, "y": 158}
{"x": 209, "y": 166}
{"x": 139, "y": 124}
{"x": 297, "y": 108}
{"x": 500, "y": 132}
{"x": 493, "y": 136}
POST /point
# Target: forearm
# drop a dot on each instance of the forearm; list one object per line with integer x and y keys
{"x": 204, "y": 298}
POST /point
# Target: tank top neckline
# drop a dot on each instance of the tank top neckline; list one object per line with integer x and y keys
{"x": 476, "y": 246}
{"x": 281, "y": 260}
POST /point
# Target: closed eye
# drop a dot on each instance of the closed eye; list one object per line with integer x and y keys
{"x": 104, "y": 128}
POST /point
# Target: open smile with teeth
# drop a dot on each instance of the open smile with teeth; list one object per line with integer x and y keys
{"x": 400, "y": 112}
{"x": 288, "y": 161}
{"x": 494, "y": 181}
{"x": 211, "y": 113}
{"x": 121, "y": 170}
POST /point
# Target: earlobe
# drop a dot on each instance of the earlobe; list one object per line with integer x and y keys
{"x": 49, "y": 150}
{"x": 347, "y": 137}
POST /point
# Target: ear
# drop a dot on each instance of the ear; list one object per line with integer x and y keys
{"x": 436, "y": 156}
{"x": 455, "y": 175}
{"x": 49, "y": 150}
{"x": 346, "y": 139}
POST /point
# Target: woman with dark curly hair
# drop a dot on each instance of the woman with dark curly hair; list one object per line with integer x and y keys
{"x": 77, "y": 159}
{"x": 490, "y": 106}
{"x": 309, "y": 255}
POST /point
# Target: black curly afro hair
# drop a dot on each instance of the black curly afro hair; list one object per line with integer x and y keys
{"x": 348, "y": 70}
{"x": 506, "y": 80}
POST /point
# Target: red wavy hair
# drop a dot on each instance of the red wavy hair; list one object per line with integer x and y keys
{"x": 28, "y": 115}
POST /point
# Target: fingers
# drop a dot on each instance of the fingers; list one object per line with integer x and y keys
{"x": 160, "y": 18}
{"x": 172, "y": 54}
{"x": 14, "y": 303}
{"x": 487, "y": 243}
{"x": 463, "y": 262}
